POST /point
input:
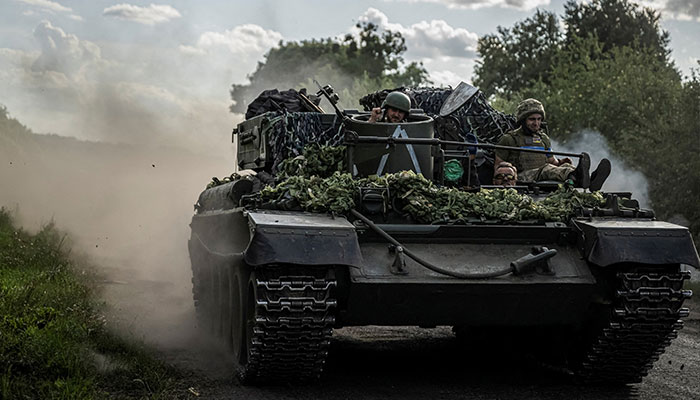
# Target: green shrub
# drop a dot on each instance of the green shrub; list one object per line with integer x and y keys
{"x": 51, "y": 329}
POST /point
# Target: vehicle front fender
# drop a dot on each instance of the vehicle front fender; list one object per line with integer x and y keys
{"x": 301, "y": 238}
{"x": 606, "y": 242}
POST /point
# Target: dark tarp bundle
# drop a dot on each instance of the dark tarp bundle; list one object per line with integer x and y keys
{"x": 476, "y": 116}
{"x": 288, "y": 133}
{"x": 428, "y": 99}
{"x": 289, "y": 100}
{"x": 316, "y": 160}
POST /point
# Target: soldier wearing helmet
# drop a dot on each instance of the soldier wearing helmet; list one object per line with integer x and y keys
{"x": 540, "y": 166}
{"x": 394, "y": 109}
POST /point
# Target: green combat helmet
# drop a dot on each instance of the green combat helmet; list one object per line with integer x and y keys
{"x": 528, "y": 107}
{"x": 399, "y": 101}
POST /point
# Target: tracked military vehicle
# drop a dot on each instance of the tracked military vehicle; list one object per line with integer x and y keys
{"x": 275, "y": 270}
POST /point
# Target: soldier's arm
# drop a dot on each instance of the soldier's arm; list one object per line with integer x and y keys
{"x": 550, "y": 157}
{"x": 556, "y": 161}
{"x": 375, "y": 114}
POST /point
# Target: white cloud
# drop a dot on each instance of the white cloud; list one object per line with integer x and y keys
{"x": 50, "y": 7}
{"x": 47, "y": 5}
{"x": 191, "y": 50}
{"x": 380, "y": 19}
{"x": 448, "y": 53}
{"x": 248, "y": 39}
{"x": 683, "y": 10}
{"x": 151, "y": 15}
{"x": 232, "y": 54}
{"x": 476, "y": 4}
{"x": 73, "y": 87}
{"x": 428, "y": 39}
{"x": 449, "y": 71}
{"x": 61, "y": 52}
{"x": 446, "y": 78}
{"x": 437, "y": 38}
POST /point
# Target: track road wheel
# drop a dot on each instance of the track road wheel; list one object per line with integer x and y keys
{"x": 222, "y": 326}
{"x": 285, "y": 324}
{"x": 238, "y": 301}
{"x": 204, "y": 293}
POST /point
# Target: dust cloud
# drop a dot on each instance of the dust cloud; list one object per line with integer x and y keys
{"x": 127, "y": 209}
{"x": 622, "y": 177}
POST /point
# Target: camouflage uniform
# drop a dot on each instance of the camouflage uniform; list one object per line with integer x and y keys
{"x": 531, "y": 166}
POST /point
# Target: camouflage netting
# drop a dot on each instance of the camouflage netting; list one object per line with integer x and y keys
{"x": 290, "y": 132}
{"x": 475, "y": 116}
{"x": 429, "y": 100}
{"x": 418, "y": 197}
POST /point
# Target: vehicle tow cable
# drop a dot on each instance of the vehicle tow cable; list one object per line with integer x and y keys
{"x": 523, "y": 264}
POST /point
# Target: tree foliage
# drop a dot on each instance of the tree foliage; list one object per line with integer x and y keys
{"x": 518, "y": 57}
{"x": 10, "y": 125}
{"x": 617, "y": 23}
{"x": 515, "y": 57}
{"x": 621, "y": 93}
{"x": 373, "y": 59}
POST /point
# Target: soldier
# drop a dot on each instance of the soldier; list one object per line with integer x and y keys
{"x": 537, "y": 166}
{"x": 505, "y": 174}
{"x": 394, "y": 109}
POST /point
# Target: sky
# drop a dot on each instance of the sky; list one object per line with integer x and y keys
{"x": 160, "y": 73}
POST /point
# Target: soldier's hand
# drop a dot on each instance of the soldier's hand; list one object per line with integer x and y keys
{"x": 565, "y": 160}
{"x": 375, "y": 114}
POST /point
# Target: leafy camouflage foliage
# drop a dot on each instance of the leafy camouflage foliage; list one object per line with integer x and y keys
{"x": 416, "y": 196}
{"x": 333, "y": 194}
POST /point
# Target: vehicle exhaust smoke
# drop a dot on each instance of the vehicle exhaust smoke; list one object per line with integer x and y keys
{"x": 622, "y": 177}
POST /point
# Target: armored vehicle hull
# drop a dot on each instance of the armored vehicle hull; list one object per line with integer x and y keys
{"x": 273, "y": 280}
{"x": 275, "y": 284}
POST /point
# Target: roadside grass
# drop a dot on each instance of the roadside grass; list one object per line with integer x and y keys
{"x": 53, "y": 341}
